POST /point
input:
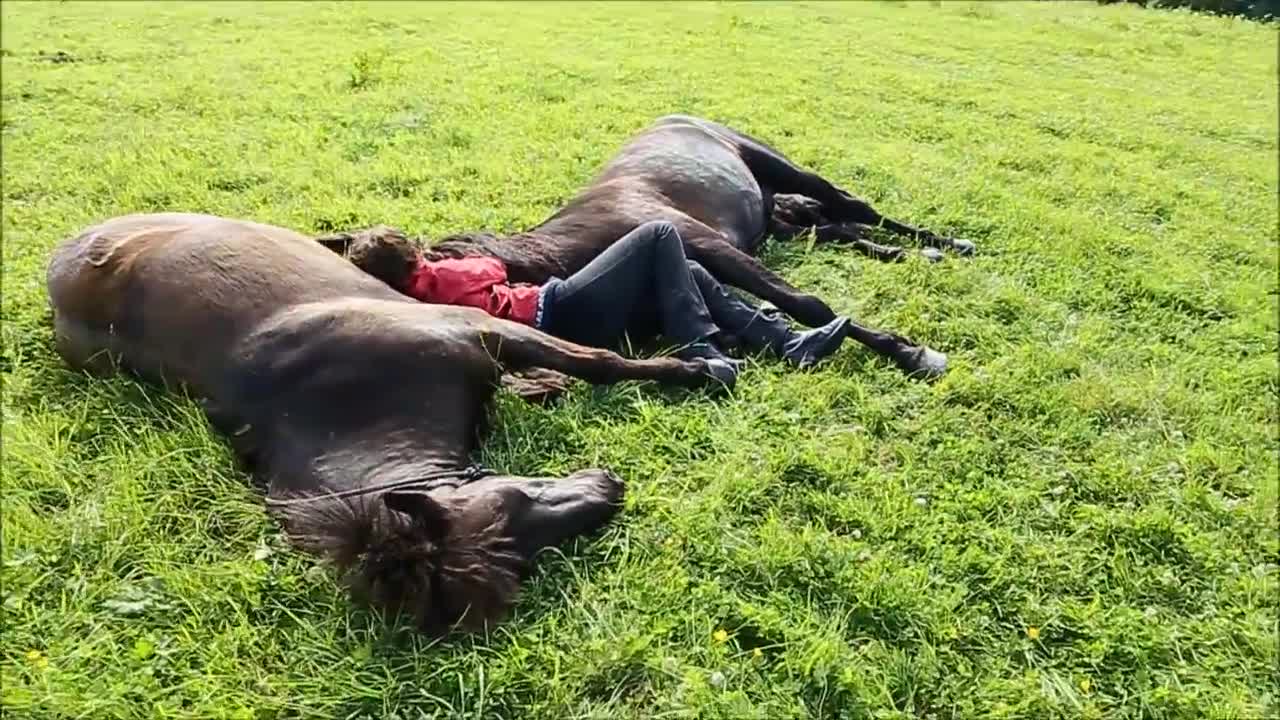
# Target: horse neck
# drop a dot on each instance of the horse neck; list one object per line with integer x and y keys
{"x": 530, "y": 256}
{"x": 363, "y": 459}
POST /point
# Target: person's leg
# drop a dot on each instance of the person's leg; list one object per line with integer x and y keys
{"x": 683, "y": 309}
{"x": 759, "y": 330}
{"x": 592, "y": 306}
{"x": 728, "y": 311}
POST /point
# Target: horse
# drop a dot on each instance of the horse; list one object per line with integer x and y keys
{"x": 725, "y": 192}
{"x": 354, "y": 407}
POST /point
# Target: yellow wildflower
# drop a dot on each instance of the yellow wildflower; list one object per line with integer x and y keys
{"x": 757, "y": 653}
{"x": 1033, "y": 632}
{"x": 37, "y": 658}
{"x": 721, "y": 635}
{"x": 1085, "y": 685}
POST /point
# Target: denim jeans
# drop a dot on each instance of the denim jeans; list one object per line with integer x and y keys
{"x": 645, "y": 269}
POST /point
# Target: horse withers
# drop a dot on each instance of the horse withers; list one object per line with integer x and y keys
{"x": 355, "y": 407}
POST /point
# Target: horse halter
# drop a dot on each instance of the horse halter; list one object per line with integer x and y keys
{"x": 431, "y": 481}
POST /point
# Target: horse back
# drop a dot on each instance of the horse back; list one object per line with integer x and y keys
{"x": 166, "y": 294}
{"x": 698, "y": 171}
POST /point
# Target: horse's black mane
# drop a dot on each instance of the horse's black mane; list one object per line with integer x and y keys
{"x": 529, "y": 257}
{"x": 465, "y": 244}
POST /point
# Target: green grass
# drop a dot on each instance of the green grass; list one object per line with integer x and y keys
{"x": 1078, "y": 521}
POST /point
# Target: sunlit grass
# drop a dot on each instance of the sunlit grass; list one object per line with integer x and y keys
{"x": 1078, "y": 521}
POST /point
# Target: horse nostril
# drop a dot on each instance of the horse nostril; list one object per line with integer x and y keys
{"x": 606, "y": 484}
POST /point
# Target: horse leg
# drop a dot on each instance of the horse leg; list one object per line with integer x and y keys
{"x": 792, "y": 215}
{"x": 238, "y": 433}
{"x": 912, "y": 358}
{"x": 907, "y": 355}
{"x": 519, "y": 347}
{"x": 536, "y": 386}
{"x": 780, "y": 175}
{"x": 844, "y": 233}
{"x": 733, "y": 267}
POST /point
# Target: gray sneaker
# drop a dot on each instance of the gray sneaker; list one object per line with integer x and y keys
{"x": 724, "y": 372}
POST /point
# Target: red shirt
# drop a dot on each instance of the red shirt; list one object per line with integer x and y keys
{"x": 478, "y": 281}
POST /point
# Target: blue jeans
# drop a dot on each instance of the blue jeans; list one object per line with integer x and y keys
{"x": 647, "y": 267}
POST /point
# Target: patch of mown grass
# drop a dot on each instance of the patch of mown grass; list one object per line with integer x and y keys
{"x": 1078, "y": 521}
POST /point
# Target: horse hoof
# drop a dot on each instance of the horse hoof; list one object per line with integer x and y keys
{"x": 933, "y": 255}
{"x": 924, "y": 362}
{"x": 963, "y": 247}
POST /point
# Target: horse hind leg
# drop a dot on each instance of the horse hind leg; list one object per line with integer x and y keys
{"x": 775, "y": 171}
{"x": 796, "y": 215}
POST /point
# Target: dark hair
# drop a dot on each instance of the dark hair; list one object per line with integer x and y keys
{"x": 385, "y": 253}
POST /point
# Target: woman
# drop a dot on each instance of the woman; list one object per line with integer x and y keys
{"x": 646, "y": 267}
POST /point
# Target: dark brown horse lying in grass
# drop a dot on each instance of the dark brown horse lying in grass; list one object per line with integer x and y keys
{"x": 355, "y": 406}
{"x": 725, "y": 192}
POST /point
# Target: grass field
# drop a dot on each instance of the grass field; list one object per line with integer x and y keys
{"x": 1079, "y": 521}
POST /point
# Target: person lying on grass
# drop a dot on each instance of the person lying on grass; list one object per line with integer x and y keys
{"x": 647, "y": 267}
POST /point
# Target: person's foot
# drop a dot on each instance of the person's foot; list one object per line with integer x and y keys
{"x": 722, "y": 371}
{"x": 806, "y": 348}
{"x": 708, "y": 351}
{"x": 720, "y": 367}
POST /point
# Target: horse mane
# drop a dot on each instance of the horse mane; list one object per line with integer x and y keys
{"x": 529, "y": 256}
{"x": 386, "y": 560}
{"x": 464, "y": 245}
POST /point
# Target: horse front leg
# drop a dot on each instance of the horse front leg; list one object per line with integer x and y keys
{"x": 237, "y": 432}
{"x": 519, "y": 347}
{"x": 733, "y": 267}
{"x": 846, "y": 207}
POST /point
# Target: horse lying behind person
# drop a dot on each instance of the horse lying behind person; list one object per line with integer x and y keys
{"x": 724, "y": 192}
{"x": 356, "y": 407}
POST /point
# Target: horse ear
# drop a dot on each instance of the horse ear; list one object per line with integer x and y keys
{"x": 429, "y": 515}
{"x": 337, "y": 242}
